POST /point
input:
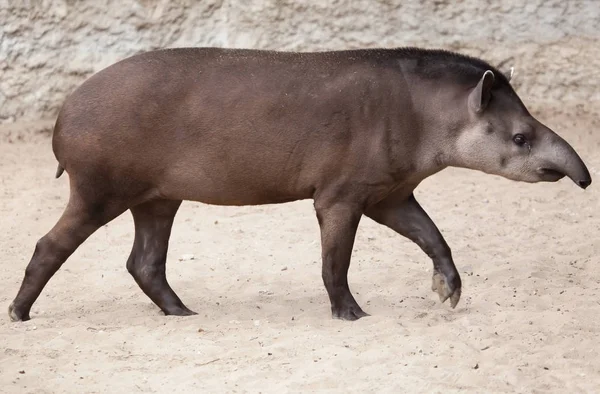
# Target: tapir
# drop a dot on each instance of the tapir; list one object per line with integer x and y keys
{"x": 355, "y": 130}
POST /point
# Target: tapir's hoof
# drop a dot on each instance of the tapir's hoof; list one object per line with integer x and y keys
{"x": 350, "y": 313}
{"x": 179, "y": 311}
{"x": 445, "y": 289}
{"x": 14, "y": 314}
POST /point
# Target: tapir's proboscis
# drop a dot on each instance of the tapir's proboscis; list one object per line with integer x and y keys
{"x": 356, "y": 131}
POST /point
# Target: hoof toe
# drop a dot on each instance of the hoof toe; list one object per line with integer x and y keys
{"x": 454, "y": 298}
{"x": 349, "y": 313}
{"x": 179, "y": 311}
{"x": 188, "y": 312}
{"x": 445, "y": 289}
{"x": 14, "y": 315}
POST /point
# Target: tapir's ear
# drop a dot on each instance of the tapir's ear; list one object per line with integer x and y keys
{"x": 480, "y": 96}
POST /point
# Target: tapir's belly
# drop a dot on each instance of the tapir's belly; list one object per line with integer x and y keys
{"x": 230, "y": 172}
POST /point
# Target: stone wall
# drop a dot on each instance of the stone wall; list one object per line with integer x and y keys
{"x": 48, "y": 47}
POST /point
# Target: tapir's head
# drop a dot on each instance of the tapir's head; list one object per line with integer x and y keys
{"x": 501, "y": 137}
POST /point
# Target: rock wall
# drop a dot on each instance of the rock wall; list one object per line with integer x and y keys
{"x": 48, "y": 47}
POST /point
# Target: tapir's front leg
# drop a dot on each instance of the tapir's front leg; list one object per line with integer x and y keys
{"x": 407, "y": 218}
{"x": 338, "y": 225}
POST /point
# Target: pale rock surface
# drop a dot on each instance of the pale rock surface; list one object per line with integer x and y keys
{"x": 48, "y": 47}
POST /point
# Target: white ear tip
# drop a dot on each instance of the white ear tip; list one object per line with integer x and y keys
{"x": 512, "y": 71}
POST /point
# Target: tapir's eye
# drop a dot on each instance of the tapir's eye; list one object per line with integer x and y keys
{"x": 519, "y": 139}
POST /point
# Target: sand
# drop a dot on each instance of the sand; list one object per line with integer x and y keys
{"x": 528, "y": 321}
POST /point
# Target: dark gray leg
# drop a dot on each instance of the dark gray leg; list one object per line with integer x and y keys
{"x": 410, "y": 220}
{"x": 147, "y": 261}
{"x": 338, "y": 229}
{"x": 79, "y": 220}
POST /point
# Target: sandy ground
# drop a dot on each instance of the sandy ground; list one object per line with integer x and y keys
{"x": 528, "y": 321}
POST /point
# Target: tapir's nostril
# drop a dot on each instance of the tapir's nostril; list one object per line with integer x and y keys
{"x": 584, "y": 183}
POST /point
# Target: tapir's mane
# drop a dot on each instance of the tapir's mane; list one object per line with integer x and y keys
{"x": 431, "y": 63}
{"x": 439, "y": 63}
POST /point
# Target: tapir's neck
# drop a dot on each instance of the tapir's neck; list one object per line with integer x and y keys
{"x": 437, "y": 110}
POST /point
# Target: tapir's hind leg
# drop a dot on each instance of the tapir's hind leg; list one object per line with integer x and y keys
{"x": 79, "y": 220}
{"x": 147, "y": 261}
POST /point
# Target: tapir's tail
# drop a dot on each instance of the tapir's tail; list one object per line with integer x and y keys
{"x": 59, "y": 171}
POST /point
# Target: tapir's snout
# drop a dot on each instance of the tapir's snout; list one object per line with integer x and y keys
{"x": 561, "y": 160}
{"x": 585, "y": 183}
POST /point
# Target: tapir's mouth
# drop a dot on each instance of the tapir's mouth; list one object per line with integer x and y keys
{"x": 550, "y": 175}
